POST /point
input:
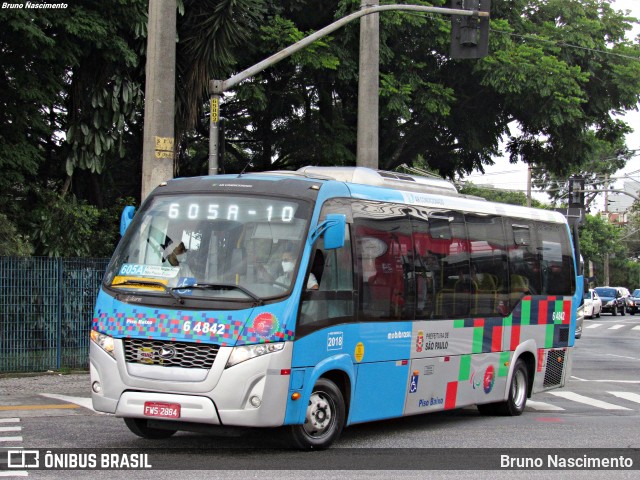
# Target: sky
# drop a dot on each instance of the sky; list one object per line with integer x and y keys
{"x": 514, "y": 176}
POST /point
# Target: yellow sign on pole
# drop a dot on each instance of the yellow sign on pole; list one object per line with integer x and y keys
{"x": 164, "y": 147}
{"x": 215, "y": 110}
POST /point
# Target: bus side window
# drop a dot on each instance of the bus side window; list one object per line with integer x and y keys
{"x": 524, "y": 260}
{"x": 331, "y": 301}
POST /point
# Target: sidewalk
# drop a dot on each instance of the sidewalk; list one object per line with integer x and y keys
{"x": 44, "y": 395}
{"x": 69, "y": 384}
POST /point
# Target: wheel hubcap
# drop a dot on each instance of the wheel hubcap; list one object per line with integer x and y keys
{"x": 518, "y": 389}
{"x": 319, "y": 417}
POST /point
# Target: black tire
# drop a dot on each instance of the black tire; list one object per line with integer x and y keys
{"x": 598, "y": 315}
{"x": 614, "y": 311}
{"x": 140, "y": 428}
{"x": 324, "y": 420}
{"x": 518, "y": 393}
{"x": 622, "y": 310}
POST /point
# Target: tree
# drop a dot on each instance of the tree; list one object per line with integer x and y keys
{"x": 559, "y": 69}
{"x": 71, "y": 92}
{"x": 604, "y": 160}
{"x": 500, "y": 196}
{"x": 72, "y": 81}
{"x": 599, "y": 238}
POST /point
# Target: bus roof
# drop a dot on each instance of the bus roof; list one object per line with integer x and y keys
{"x": 370, "y": 184}
{"x": 417, "y": 190}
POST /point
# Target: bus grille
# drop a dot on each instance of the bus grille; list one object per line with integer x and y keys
{"x": 170, "y": 354}
{"x": 555, "y": 367}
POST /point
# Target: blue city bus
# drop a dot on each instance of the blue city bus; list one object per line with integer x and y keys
{"x": 326, "y": 297}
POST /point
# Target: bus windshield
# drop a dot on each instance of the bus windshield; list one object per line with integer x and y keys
{"x": 212, "y": 246}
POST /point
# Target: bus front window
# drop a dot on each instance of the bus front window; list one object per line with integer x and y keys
{"x": 212, "y": 244}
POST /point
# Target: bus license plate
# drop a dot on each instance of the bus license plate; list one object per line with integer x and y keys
{"x": 167, "y": 410}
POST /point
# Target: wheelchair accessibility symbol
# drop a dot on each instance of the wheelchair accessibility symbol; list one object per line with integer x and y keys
{"x": 413, "y": 386}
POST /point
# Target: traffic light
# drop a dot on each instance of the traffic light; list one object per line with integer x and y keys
{"x": 576, "y": 192}
{"x": 469, "y": 34}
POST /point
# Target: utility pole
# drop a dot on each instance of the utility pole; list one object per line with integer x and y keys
{"x": 529, "y": 186}
{"x": 159, "y": 96}
{"x": 606, "y": 213}
{"x": 368, "y": 94}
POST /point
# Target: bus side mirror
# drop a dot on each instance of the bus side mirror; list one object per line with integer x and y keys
{"x": 333, "y": 229}
{"x": 334, "y": 234}
{"x": 126, "y": 217}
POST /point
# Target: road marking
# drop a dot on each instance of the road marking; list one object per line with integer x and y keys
{"x": 10, "y": 439}
{"x": 616, "y": 327}
{"x": 594, "y": 325}
{"x": 9, "y": 420}
{"x": 6, "y": 408}
{"x": 541, "y": 406}
{"x": 84, "y": 402}
{"x": 632, "y": 397}
{"x": 621, "y": 356}
{"x": 10, "y": 429}
{"x": 588, "y": 401}
{"x": 14, "y": 473}
{"x": 636, "y": 328}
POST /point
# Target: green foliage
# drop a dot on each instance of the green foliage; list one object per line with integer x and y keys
{"x": 558, "y": 69}
{"x": 500, "y": 196}
{"x": 68, "y": 227}
{"x": 599, "y": 238}
{"x": 12, "y": 243}
{"x": 98, "y": 134}
{"x": 72, "y": 82}
{"x": 604, "y": 159}
{"x": 71, "y": 95}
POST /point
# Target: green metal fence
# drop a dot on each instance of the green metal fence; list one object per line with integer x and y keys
{"x": 46, "y": 307}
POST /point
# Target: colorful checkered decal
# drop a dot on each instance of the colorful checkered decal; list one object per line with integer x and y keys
{"x": 467, "y": 361}
{"x": 222, "y": 328}
{"x": 554, "y": 312}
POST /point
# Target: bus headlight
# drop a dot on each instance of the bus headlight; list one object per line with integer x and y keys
{"x": 105, "y": 342}
{"x": 247, "y": 352}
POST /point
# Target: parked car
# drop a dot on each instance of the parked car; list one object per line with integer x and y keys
{"x": 632, "y": 307}
{"x": 592, "y": 304}
{"x": 612, "y": 300}
{"x": 635, "y": 297}
{"x": 579, "y": 320}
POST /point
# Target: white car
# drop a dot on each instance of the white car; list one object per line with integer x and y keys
{"x": 592, "y": 304}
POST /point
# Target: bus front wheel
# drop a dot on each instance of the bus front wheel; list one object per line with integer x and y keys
{"x": 324, "y": 420}
{"x": 518, "y": 392}
{"x": 139, "y": 427}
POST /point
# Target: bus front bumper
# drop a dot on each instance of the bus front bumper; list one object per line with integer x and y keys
{"x": 250, "y": 394}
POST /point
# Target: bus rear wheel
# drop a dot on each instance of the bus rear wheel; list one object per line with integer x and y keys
{"x": 324, "y": 420}
{"x": 139, "y": 427}
{"x": 518, "y": 393}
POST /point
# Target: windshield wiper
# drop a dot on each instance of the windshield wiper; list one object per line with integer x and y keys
{"x": 171, "y": 291}
{"x": 228, "y": 286}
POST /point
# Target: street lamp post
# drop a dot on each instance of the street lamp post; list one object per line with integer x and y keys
{"x": 370, "y": 125}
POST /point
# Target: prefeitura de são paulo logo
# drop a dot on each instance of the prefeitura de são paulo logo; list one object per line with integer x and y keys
{"x": 265, "y": 325}
{"x": 419, "y": 341}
